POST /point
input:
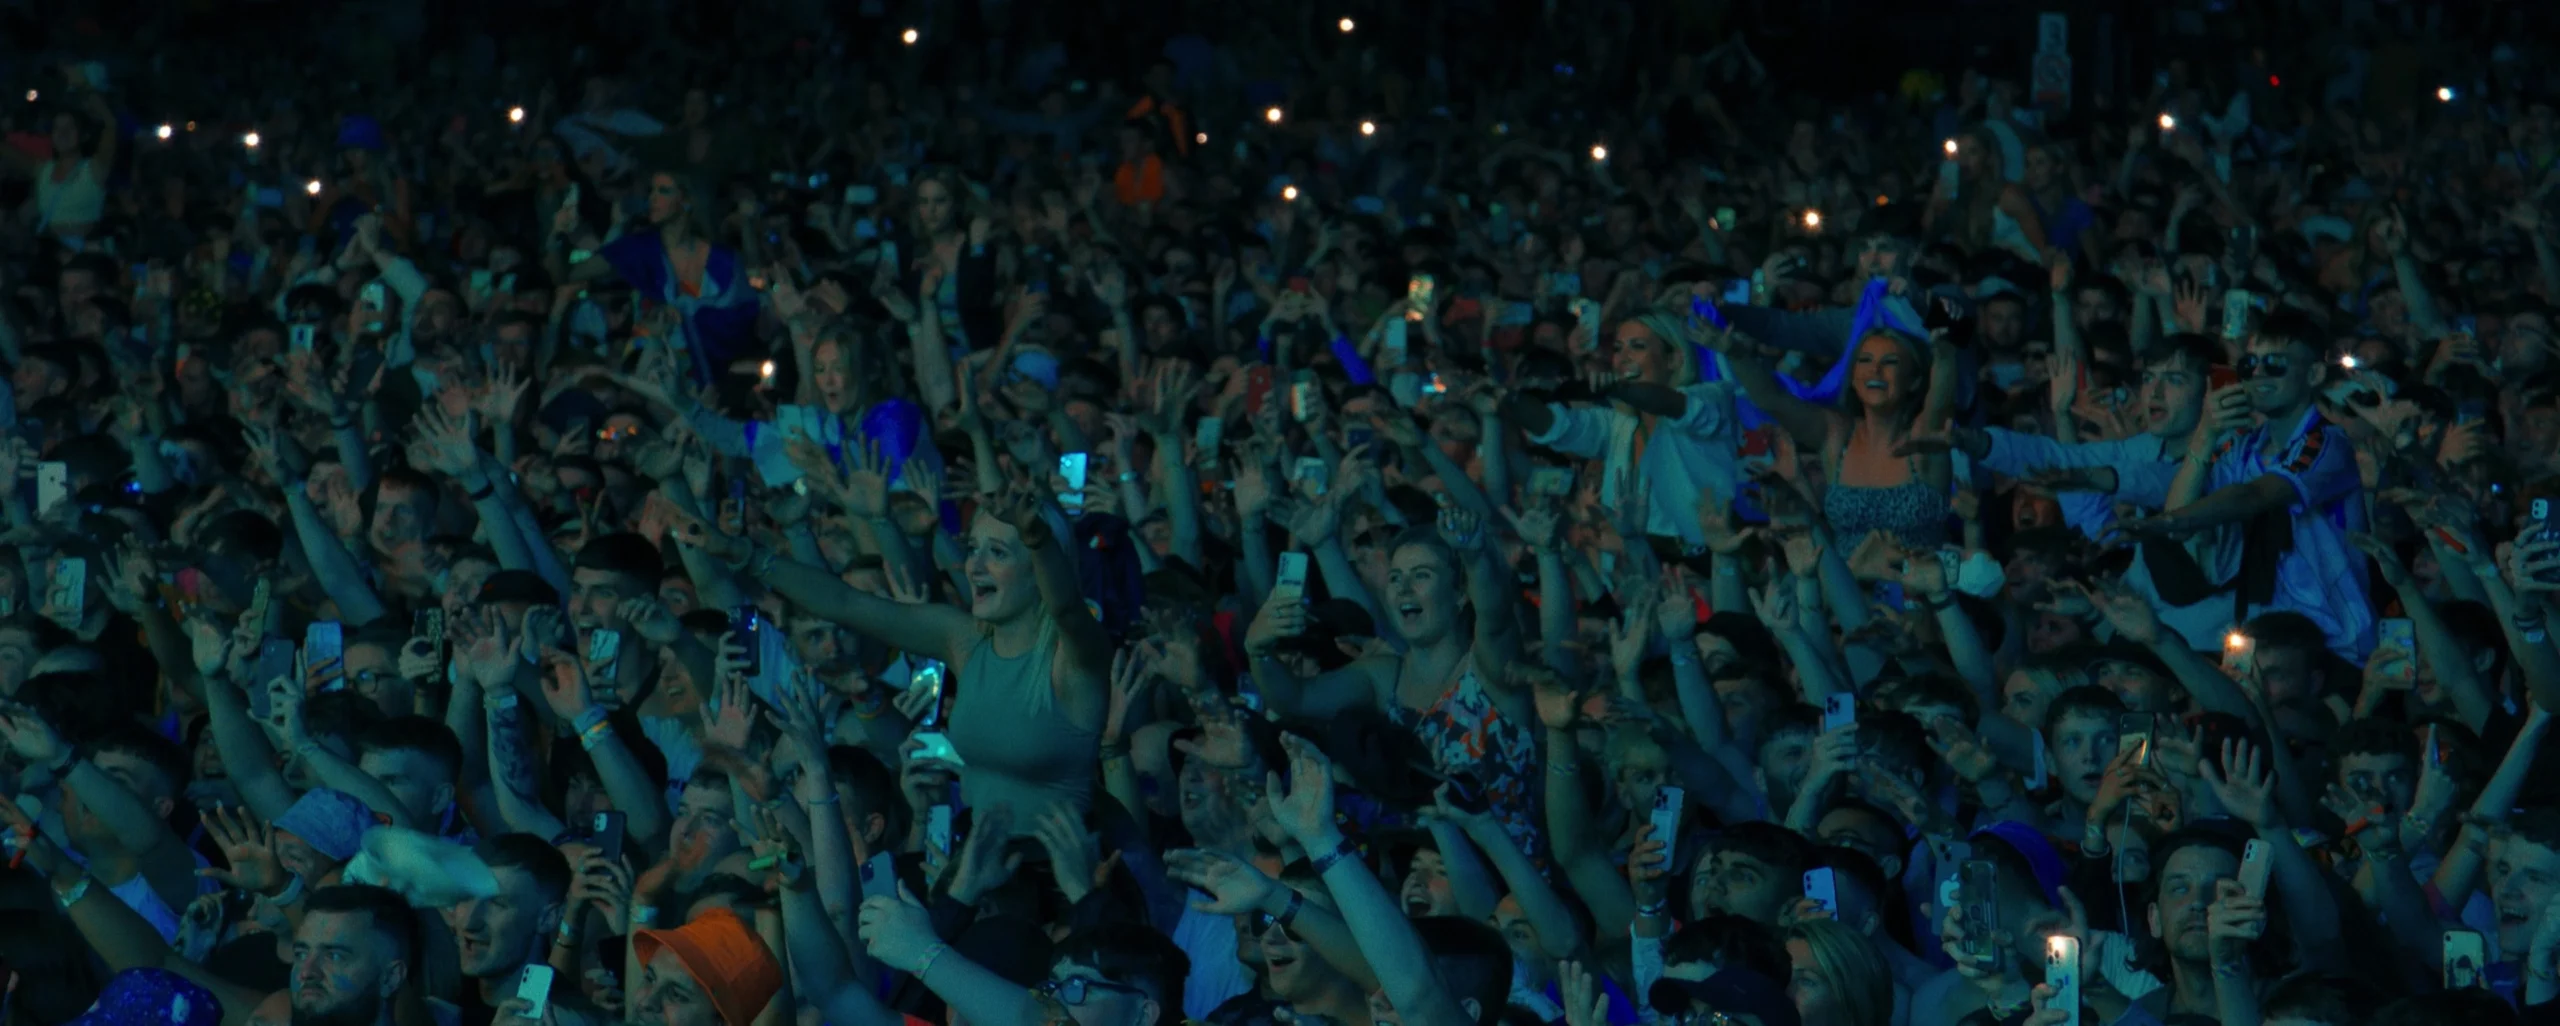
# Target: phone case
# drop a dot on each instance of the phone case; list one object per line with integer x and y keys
{"x": 1293, "y": 574}
{"x": 937, "y": 835}
{"x": 880, "y": 877}
{"x": 1838, "y": 710}
{"x": 2062, "y": 973}
{"x": 53, "y": 484}
{"x": 68, "y": 590}
{"x": 1666, "y": 815}
{"x": 2256, "y": 862}
{"x": 535, "y": 987}
{"x": 1981, "y": 891}
{"x": 604, "y": 647}
{"x": 609, "y": 835}
{"x": 2465, "y": 958}
{"x": 1820, "y": 886}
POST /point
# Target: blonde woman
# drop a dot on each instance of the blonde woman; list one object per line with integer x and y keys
{"x": 1665, "y": 436}
{"x": 1839, "y": 978}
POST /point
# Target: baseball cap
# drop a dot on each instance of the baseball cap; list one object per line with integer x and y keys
{"x": 1731, "y": 991}
{"x": 725, "y": 957}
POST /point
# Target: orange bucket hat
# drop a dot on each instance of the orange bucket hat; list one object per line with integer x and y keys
{"x": 725, "y": 957}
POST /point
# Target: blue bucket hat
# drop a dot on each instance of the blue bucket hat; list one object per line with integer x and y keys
{"x": 332, "y": 822}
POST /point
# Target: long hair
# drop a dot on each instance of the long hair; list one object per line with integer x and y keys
{"x": 697, "y": 224}
{"x": 1849, "y": 962}
{"x": 1668, "y": 326}
{"x": 1855, "y": 405}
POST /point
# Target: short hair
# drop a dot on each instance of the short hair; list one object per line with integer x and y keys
{"x": 341, "y": 714}
{"x": 626, "y": 553}
{"x": 1791, "y": 718}
{"x": 529, "y": 852}
{"x": 2372, "y": 736}
{"x": 1135, "y": 955}
{"x": 392, "y": 917}
{"x": 1730, "y": 942}
{"x": 1897, "y": 740}
{"x": 1931, "y": 689}
{"x": 1751, "y": 639}
{"x": 2289, "y": 326}
{"x": 874, "y": 785}
{"x": 2188, "y": 348}
{"x": 2085, "y": 700}
{"x": 145, "y": 744}
{"x": 1471, "y": 960}
{"x": 2538, "y": 826}
{"x": 428, "y": 737}
{"x": 2285, "y": 629}
{"x": 1784, "y": 851}
{"x": 2311, "y": 998}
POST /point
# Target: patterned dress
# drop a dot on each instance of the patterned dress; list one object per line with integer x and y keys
{"x": 1466, "y": 732}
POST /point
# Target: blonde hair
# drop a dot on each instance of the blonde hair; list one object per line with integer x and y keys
{"x": 1922, "y": 363}
{"x": 1849, "y": 962}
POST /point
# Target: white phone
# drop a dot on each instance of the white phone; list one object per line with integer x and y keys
{"x": 1666, "y": 816}
{"x": 2465, "y": 960}
{"x": 535, "y": 987}
{"x": 937, "y": 837}
{"x": 2256, "y": 862}
{"x": 53, "y": 484}
{"x": 1821, "y": 886}
{"x": 936, "y": 746}
{"x": 1071, "y": 466}
{"x": 1211, "y": 432}
{"x": 67, "y": 589}
{"x": 2062, "y": 973}
{"x": 1293, "y": 575}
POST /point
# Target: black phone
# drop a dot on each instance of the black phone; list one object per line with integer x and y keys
{"x": 608, "y": 835}
{"x": 746, "y": 628}
{"x": 1466, "y": 793}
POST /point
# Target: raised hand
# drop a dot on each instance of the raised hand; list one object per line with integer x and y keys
{"x": 34, "y": 740}
{"x": 1302, "y": 804}
{"x": 564, "y": 684}
{"x": 2244, "y": 784}
{"x": 1227, "y": 885}
{"x": 249, "y": 846}
{"x": 897, "y": 931}
{"x": 1132, "y": 673}
{"x": 1463, "y": 530}
{"x": 982, "y": 864}
{"x": 731, "y": 716}
{"x": 1538, "y": 528}
{"x": 1074, "y": 856}
{"x": 651, "y": 619}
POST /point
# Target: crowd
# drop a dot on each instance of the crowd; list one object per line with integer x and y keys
{"x": 1030, "y": 517}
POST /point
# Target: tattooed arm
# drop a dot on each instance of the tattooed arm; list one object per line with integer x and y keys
{"x": 512, "y": 773}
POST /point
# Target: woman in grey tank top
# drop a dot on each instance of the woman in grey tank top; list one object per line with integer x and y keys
{"x": 1030, "y": 665}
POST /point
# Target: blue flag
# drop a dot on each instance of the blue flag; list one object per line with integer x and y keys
{"x": 1872, "y": 314}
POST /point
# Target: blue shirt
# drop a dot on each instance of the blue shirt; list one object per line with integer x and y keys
{"x": 2094, "y": 514}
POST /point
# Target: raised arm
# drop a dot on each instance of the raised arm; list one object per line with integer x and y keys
{"x": 1808, "y": 424}
{"x": 1303, "y": 803}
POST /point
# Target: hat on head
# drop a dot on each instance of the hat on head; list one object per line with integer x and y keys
{"x": 2031, "y": 845}
{"x": 1038, "y": 365}
{"x": 332, "y": 822}
{"x": 1731, "y": 991}
{"x": 725, "y": 957}
{"x": 152, "y": 997}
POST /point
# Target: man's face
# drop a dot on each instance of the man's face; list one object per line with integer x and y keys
{"x": 2286, "y": 673}
{"x": 1732, "y": 883}
{"x": 2386, "y": 780}
{"x": 1783, "y": 762}
{"x": 2523, "y": 878}
{"x": 37, "y": 379}
{"x": 343, "y": 970}
{"x": 670, "y": 997}
{"x": 422, "y": 786}
{"x": 495, "y": 936}
{"x": 2281, "y": 378}
{"x": 17, "y": 653}
{"x": 1106, "y": 1003}
{"x": 2083, "y": 745}
{"x": 2173, "y": 396}
{"x": 1426, "y": 887}
{"x": 2093, "y": 307}
{"x": 373, "y": 670}
{"x": 1745, "y": 702}
{"x": 2187, "y": 883}
{"x": 595, "y": 598}
{"x": 705, "y": 830}
{"x": 2003, "y": 324}
{"x": 401, "y": 515}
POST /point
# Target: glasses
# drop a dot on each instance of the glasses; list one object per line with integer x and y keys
{"x": 1073, "y": 990}
{"x": 2272, "y": 365}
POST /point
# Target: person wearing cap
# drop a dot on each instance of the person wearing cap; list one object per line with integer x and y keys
{"x": 713, "y": 971}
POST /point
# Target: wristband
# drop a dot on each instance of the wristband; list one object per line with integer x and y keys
{"x": 587, "y": 720}
{"x": 1289, "y": 915}
{"x": 871, "y": 705}
{"x": 643, "y": 916}
{"x": 595, "y": 735}
{"x": 831, "y": 798}
{"x": 925, "y": 965}
{"x": 483, "y": 493}
{"x": 1340, "y": 852}
{"x": 78, "y": 891}
{"x": 567, "y": 936}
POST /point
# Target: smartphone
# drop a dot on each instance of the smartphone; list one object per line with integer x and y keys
{"x": 1302, "y": 396}
{"x": 2062, "y": 973}
{"x": 2402, "y": 633}
{"x": 1839, "y": 710}
{"x": 746, "y": 630}
{"x": 1586, "y": 318}
{"x": 1725, "y": 219}
{"x": 53, "y": 484}
{"x": 1312, "y": 470}
{"x": 1820, "y": 886}
{"x": 1666, "y": 815}
{"x": 937, "y": 838}
{"x": 928, "y": 675}
{"x": 1293, "y": 575}
{"x": 2239, "y": 655}
{"x": 604, "y": 648}
{"x": 2542, "y": 529}
{"x": 324, "y": 645}
{"x": 67, "y": 590}
{"x": 1071, "y": 466}
{"x": 609, "y": 835}
{"x": 428, "y": 623}
{"x": 2133, "y": 730}
{"x": 2257, "y": 861}
{"x": 1553, "y": 482}
{"x": 936, "y": 746}
{"x": 2435, "y": 752}
{"x": 880, "y": 877}
{"x": 1397, "y": 344}
{"x": 1206, "y": 438}
{"x": 861, "y": 195}
{"x": 2465, "y": 958}
{"x": 305, "y": 337}
{"x": 1980, "y": 890}
{"x": 2242, "y": 249}
{"x": 1466, "y": 793}
{"x": 1737, "y": 292}
{"x": 534, "y": 987}
{"x": 2235, "y": 314}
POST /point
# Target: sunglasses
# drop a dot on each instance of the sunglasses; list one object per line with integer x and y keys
{"x": 1073, "y": 990}
{"x": 2272, "y": 365}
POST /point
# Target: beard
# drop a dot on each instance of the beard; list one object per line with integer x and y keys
{"x": 351, "y": 1011}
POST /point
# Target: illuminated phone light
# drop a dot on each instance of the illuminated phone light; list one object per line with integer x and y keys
{"x": 31, "y": 96}
{"x": 1200, "y": 138}
{"x": 191, "y": 126}
{"x": 1271, "y": 115}
{"x": 2168, "y": 123}
{"x": 2348, "y": 361}
{"x": 1950, "y": 146}
{"x": 767, "y": 371}
{"x": 2234, "y": 641}
{"x": 515, "y": 114}
{"x": 2274, "y": 83}
{"x": 1599, "y": 153}
{"x": 1289, "y": 193}
{"x": 1345, "y": 25}
{"x": 1881, "y": 199}
{"x": 2444, "y": 94}
{"x": 250, "y": 140}
{"x": 312, "y": 187}
{"x": 165, "y": 131}
{"x": 1813, "y": 219}
{"x": 908, "y": 37}
{"x": 1368, "y": 128}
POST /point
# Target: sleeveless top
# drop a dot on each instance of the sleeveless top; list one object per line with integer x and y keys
{"x": 1913, "y": 512}
{"x": 1020, "y": 747}
{"x": 1465, "y": 732}
{"x": 78, "y": 200}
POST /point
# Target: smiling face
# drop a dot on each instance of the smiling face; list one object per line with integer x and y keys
{"x": 495, "y": 936}
{"x": 2281, "y": 377}
{"x": 1426, "y": 887}
{"x": 669, "y": 995}
{"x": 1641, "y": 355}
{"x": 1885, "y": 374}
{"x": 1422, "y": 592}
{"x": 1002, "y": 588}
{"x": 2523, "y": 878}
